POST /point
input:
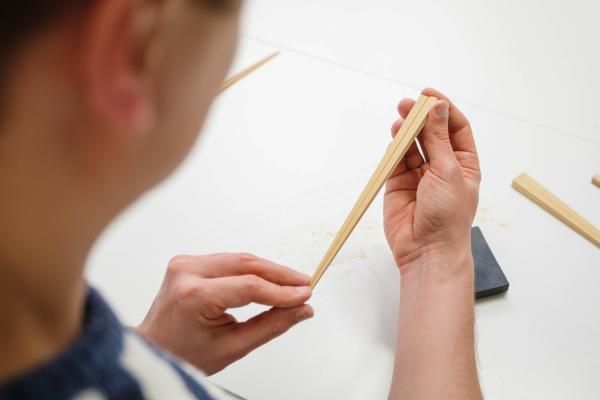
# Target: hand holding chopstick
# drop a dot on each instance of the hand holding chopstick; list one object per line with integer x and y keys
{"x": 395, "y": 152}
{"x": 447, "y": 179}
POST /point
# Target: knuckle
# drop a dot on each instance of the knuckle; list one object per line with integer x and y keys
{"x": 188, "y": 293}
{"x": 252, "y": 283}
{"x": 278, "y": 328}
{"x": 441, "y": 132}
{"x": 436, "y": 127}
{"x": 177, "y": 265}
{"x": 182, "y": 295}
{"x": 246, "y": 259}
{"x": 179, "y": 259}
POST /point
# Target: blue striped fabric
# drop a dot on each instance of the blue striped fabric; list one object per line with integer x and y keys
{"x": 107, "y": 361}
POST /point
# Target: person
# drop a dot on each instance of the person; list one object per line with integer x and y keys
{"x": 100, "y": 101}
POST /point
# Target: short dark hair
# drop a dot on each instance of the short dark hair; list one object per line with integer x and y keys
{"x": 20, "y": 20}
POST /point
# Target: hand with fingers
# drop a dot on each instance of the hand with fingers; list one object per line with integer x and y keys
{"x": 431, "y": 198}
{"x": 429, "y": 206}
{"x": 189, "y": 316}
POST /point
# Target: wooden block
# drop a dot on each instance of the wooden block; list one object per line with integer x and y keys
{"x": 549, "y": 202}
{"x": 404, "y": 138}
{"x": 240, "y": 75}
{"x": 596, "y": 180}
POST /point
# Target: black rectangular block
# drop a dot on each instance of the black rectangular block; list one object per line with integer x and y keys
{"x": 489, "y": 277}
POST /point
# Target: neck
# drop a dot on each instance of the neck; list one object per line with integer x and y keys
{"x": 45, "y": 236}
{"x": 42, "y": 290}
{"x": 39, "y": 319}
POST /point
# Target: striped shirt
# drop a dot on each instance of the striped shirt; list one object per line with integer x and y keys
{"x": 110, "y": 361}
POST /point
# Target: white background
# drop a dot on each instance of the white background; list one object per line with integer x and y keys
{"x": 286, "y": 152}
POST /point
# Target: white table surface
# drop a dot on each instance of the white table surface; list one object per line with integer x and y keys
{"x": 286, "y": 152}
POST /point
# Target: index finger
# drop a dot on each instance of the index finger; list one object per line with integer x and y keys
{"x": 233, "y": 264}
{"x": 238, "y": 291}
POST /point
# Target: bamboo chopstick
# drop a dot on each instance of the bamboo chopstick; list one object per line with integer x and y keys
{"x": 396, "y": 150}
{"x": 552, "y": 204}
{"x": 596, "y": 180}
{"x": 240, "y": 75}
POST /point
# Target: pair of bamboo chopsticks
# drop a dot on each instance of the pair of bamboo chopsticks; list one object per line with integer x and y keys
{"x": 396, "y": 150}
{"x": 240, "y": 75}
{"x": 407, "y": 134}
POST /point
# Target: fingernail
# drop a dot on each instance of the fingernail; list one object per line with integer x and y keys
{"x": 442, "y": 110}
{"x": 305, "y": 312}
{"x": 303, "y": 290}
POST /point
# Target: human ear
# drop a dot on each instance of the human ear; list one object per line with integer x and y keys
{"x": 117, "y": 47}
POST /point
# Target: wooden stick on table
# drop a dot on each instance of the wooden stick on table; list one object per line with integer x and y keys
{"x": 596, "y": 180}
{"x": 396, "y": 150}
{"x": 240, "y": 75}
{"x": 542, "y": 197}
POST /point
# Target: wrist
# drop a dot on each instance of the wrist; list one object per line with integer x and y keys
{"x": 436, "y": 324}
{"x": 439, "y": 286}
{"x": 441, "y": 265}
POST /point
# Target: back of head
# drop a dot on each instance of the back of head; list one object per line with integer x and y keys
{"x": 23, "y": 19}
{"x": 100, "y": 101}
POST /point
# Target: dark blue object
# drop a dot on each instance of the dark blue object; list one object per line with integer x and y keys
{"x": 489, "y": 277}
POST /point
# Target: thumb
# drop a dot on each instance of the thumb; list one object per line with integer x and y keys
{"x": 435, "y": 136}
{"x": 267, "y": 326}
